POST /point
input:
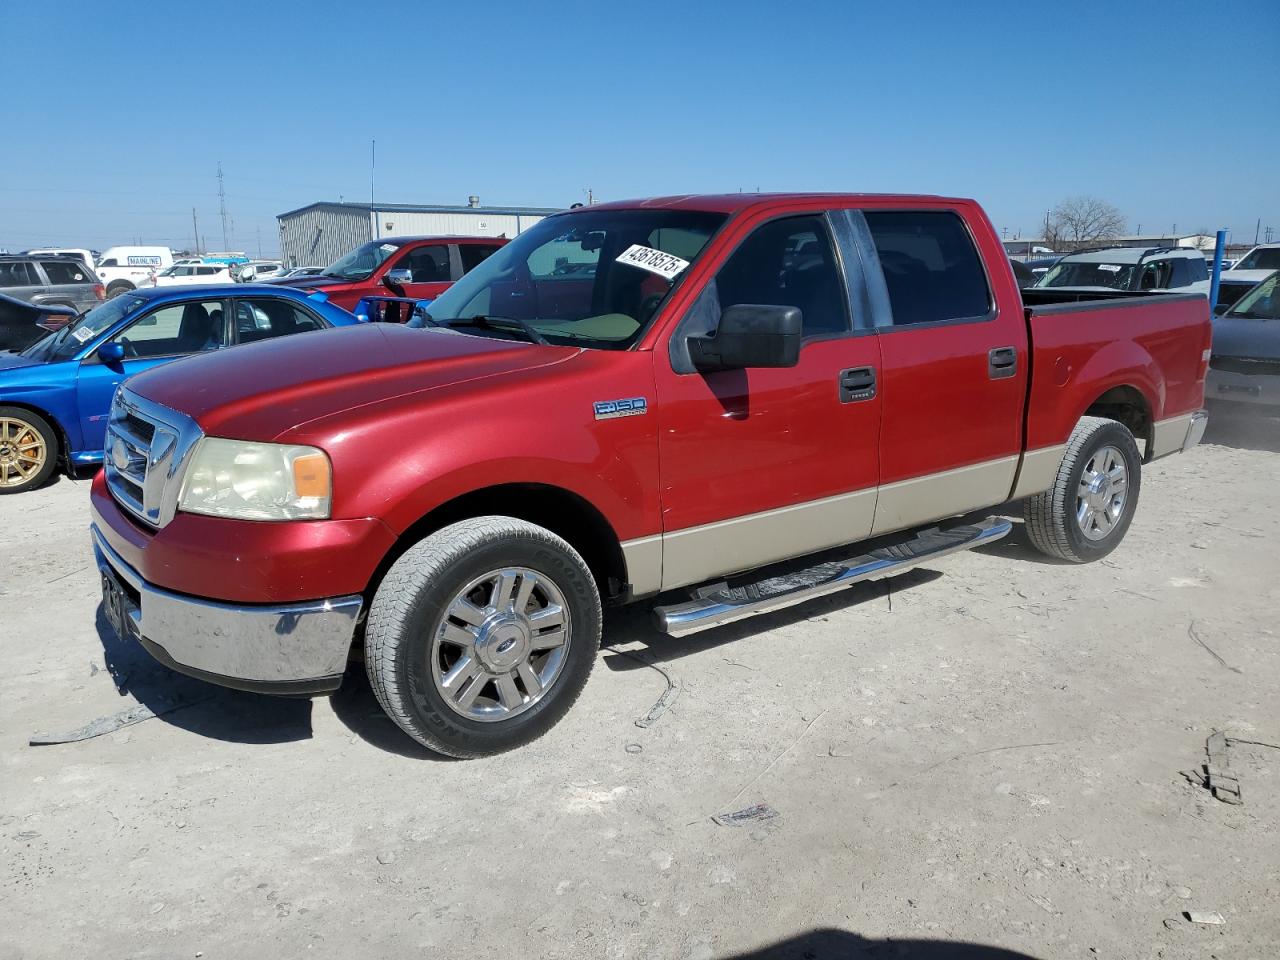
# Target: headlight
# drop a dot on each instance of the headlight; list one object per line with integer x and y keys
{"x": 257, "y": 481}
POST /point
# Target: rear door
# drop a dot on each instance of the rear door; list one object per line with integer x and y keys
{"x": 954, "y": 364}
{"x": 762, "y": 464}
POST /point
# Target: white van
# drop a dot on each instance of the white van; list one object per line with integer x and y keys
{"x": 84, "y": 256}
{"x": 122, "y": 269}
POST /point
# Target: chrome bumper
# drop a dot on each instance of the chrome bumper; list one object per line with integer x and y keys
{"x": 1195, "y": 430}
{"x": 285, "y": 648}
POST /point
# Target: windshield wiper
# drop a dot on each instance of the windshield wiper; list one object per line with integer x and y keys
{"x": 505, "y": 324}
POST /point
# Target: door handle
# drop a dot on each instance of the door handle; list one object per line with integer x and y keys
{"x": 1002, "y": 363}
{"x": 857, "y": 383}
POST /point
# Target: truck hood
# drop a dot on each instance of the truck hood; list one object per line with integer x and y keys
{"x": 1246, "y": 276}
{"x": 1255, "y": 339}
{"x": 313, "y": 283}
{"x": 261, "y": 390}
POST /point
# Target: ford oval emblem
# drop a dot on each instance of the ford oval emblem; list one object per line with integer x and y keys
{"x": 120, "y": 455}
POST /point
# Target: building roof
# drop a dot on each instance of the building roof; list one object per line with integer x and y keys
{"x": 420, "y": 208}
{"x": 1160, "y": 239}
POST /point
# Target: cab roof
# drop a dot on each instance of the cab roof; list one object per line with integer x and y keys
{"x": 737, "y": 202}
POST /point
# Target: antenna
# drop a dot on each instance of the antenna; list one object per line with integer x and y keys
{"x": 222, "y": 208}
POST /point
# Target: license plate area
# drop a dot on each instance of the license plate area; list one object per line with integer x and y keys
{"x": 120, "y": 605}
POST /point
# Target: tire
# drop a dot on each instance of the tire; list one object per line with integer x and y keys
{"x": 119, "y": 287}
{"x": 28, "y": 450}
{"x": 518, "y": 681}
{"x": 1080, "y": 524}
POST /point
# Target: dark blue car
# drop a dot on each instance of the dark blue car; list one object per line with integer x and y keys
{"x": 55, "y": 394}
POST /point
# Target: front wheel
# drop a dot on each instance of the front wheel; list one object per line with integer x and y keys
{"x": 482, "y": 636}
{"x": 28, "y": 450}
{"x": 1087, "y": 511}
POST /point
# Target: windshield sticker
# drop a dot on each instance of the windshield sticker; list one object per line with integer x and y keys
{"x": 82, "y": 333}
{"x": 655, "y": 261}
{"x": 1109, "y": 267}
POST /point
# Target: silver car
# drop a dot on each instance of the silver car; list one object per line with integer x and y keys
{"x": 50, "y": 280}
{"x": 1244, "y": 366}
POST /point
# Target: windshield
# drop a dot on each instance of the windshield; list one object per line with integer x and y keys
{"x": 172, "y": 271}
{"x": 68, "y": 341}
{"x": 1260, "y": 303}
{"x": 1076, "y": 274}
{"x": 360, "y": 263}
{"x": 1264, "y": 258}
{"x": 592, "y": 278}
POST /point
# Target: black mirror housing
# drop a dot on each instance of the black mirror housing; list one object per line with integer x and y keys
{"x": 750, "y": 335}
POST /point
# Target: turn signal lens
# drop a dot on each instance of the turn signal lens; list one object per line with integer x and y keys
{"x": 311, "y": 476}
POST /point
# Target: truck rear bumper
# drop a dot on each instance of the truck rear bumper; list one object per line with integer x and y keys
{"x": 1242, "y": 387}
{"x": 1195, "y": 430}
{"x": 290, "y": 648}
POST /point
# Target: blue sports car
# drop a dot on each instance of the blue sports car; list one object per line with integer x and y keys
{"x": 55, "y": 394}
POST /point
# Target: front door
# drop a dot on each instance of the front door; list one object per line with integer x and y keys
{"x": 156, "y": 337}
{"x": 762, "y": 464}
{"x": 430, "y": 269}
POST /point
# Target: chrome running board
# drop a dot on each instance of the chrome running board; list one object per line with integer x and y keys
{"x": 718, "y": 604}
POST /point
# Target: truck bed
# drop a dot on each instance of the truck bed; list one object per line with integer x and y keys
{"x": 1082, "y": 346}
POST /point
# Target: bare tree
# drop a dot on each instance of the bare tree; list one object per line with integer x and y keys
{"x": 1078, "y": 221}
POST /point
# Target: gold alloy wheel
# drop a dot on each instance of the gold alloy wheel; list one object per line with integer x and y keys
{"x": 22, "y": 452}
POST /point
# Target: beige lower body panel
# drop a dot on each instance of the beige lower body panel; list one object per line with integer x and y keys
{"x": 730, "y": 546}
{"x": 1168, "y": 436}
{"x": 1039, "y": 470}
{"x": 909, "y": 503}
{"x": 643, "y": 558}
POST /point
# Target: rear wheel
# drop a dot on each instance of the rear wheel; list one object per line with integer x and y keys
{"x": 1087, "y": 511}
{"x": 482, "y": 636}
{"x": 28, "y": 450}
{"x": 119, "y": 287}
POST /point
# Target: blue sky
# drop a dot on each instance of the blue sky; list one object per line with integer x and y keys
{"x": 117, "y": 115}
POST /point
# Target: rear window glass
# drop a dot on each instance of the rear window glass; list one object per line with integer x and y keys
{"x": 930, "y": 265}
{"x": 64, "y": 271}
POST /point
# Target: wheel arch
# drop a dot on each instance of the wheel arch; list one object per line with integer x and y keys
{"x": 63, "y": 439}
{"x": 1128, "y": 405}
{"x": 563, "y": 512}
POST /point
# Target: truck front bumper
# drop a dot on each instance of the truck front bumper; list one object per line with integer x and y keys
{"x": 1259, "y": 388}
{"x": 290, "y": 648}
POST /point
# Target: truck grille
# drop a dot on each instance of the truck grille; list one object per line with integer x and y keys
{"x": 146, "y": 452}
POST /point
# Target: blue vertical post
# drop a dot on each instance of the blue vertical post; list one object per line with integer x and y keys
{"x": 1217, "y": 269}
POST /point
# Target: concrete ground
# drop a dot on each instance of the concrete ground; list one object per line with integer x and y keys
{"x": 986, "y": 751}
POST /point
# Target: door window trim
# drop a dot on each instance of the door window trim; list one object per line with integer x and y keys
{"x": 879, "y": 287}
{"x": 92, "y": 356}
{"x": 677, "y": 353}
{"x": 234, "y": 332}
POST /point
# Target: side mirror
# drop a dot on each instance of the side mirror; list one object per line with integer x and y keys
{"x": 399, "y": 276}
{"x": 111, "y": 352}
{"x": 750, "y": 335}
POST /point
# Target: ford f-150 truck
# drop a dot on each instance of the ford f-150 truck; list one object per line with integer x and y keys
{"x": 418, "y": 267}
{"x": 697, "y": 393}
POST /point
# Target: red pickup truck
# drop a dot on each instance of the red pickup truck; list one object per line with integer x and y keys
{"x": 421, "y": 268}
{"x": 627, "y": 399}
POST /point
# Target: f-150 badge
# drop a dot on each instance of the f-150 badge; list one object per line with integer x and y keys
{"x": 608, "y": 409}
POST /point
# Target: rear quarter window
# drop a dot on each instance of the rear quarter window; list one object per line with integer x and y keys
{"x": 931, "y": 266}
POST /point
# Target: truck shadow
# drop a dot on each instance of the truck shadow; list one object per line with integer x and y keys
{"x": 634, "y": 624}
{"x": 1247, "y": 428}
{"x": 194, "y": 705}
{"x": 356, "y": 706}
{"x": 1017, "y": 546}
{"x": 831, "y": 944}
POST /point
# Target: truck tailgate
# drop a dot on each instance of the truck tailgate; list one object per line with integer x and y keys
{"x": 1158, "y": 345}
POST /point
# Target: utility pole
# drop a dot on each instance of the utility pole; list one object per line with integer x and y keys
{"x": 195, "y": 232}
{"x": 373, "y": 174}
{"x": 259, "y": 243}
{"x": 1255, "y": 231}
{"x": 222, "y": 208}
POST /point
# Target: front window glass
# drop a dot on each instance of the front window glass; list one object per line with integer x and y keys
{"x": 594, "y": 278}
{"x": 1266, "y": 258}
{"x": 1115, "y": 276}
{"x": 360, "y": 263}
{"x": 176, "y": 330}
{"x": 70, "y": 340}
{"x": 1260, "y": 303}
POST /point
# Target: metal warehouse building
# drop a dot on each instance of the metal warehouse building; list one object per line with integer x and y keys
{"x": 320, "y": 233}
